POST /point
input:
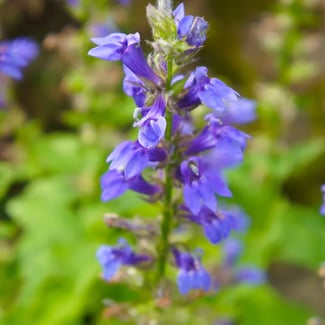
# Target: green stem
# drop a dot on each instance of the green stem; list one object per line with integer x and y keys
{"x": 168, "y": 210}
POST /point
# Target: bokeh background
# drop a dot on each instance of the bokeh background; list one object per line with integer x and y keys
{"x": 59, "y": 123}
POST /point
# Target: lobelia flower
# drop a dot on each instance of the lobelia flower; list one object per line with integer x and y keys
{"x": 119, "y": 46}
{"x": 128, "y": 160}
{"x": 201, "y": 181}
{"x": 216, "y": 226}
{"x": 114, "y": 184}
{"x": 124, "y": 2}
{"x": 322, "y": 209}
{"x": 112, "y": 258}
{"x": 240, "y": 111}
{"x": 211, "y": 92}
{"x": 189, "y": 28}
{"x": 15, "y": 55}
{"x": 73, "y": 3}
{"x": 152, "y": 132}
{"x": 240, "y": 219}
{"x": 250, "y": 275}
{"x": 103, "y": 29}
{"x": 216, "y": 136}
{"x": 152, "y": 123}
{"x": 134, "y": 87}
{"x": 191, "y": 273}
{"x": 232, "y": 249}
{"x": 183, "y": 125}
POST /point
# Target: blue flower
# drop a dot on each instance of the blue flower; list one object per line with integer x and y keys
{"x": 119, "y": 46}
{"x": 134, "y": 87}
{"x": 144, "y": 114}
{"x": 322, "y": 209}
{"x": 202, "y": 179}
{"x": 189, "y": 28}
{"x": 152, "y": 132}
{"x": 129, "y": 157}
{"x": 103, "y": 29}
{"x": 191, "y": 273}
{"x": 215, "y": 225}
{"x": 216, "y": 136}
{"x": 112, "y": 258}
{"x": 239, "y": 111}
{"x": 183, "y": 125}
{"x": 212, "y": 92}
{"x": 127, "y": 161}
{"x": 152, "y": 123}
{"x": 250, "y": 275}
{"x": 15, "y": 55}
{"x": 240, "y": 219}
{"x": 114, "y": 184}
{"x": 124, "y": 2}
{"x": 232, "y": 250}
{"x": 73, "y": 3}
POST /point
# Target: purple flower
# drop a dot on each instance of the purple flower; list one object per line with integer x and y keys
{"x": 124, "y": 2}
{"x": 216, "y": 136}
{"x": 152, "y": 132}
{"x": 201, "y": 181}
{"x": 240, "y": 111}
{"x": 134, "y": 87}
{"x": 182, "y": 124}
{"x": 73, "y": 3}
{"x": 232, "y": 250}
{"x": 128, "y": 160}
{"x": 216, "y": 225}
{"x": 15, "y": 55}
{"x": 191, "y": 273}
{"x": 119, "y": 46}
{"x": 103, "y": 29}
{"x": 191, "y": 29}
{"x": 112, "y": 258}
{"x": 152, "y": 123}
{"x": 212, "y": 92}
{"x": 250, "y": 275}
{"x": 114, "y": 184}
{"x": 322, "y": 209}
{"x": 144, "y": 114}
{"x": 240, "y": 219}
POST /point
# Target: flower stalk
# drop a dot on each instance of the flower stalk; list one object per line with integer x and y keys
{"x": 168, "y": 209}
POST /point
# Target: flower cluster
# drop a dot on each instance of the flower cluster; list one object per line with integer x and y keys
{"x": 173, "y": 160}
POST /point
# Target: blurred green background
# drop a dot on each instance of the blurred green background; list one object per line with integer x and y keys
{"x": 69, "y": 111}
